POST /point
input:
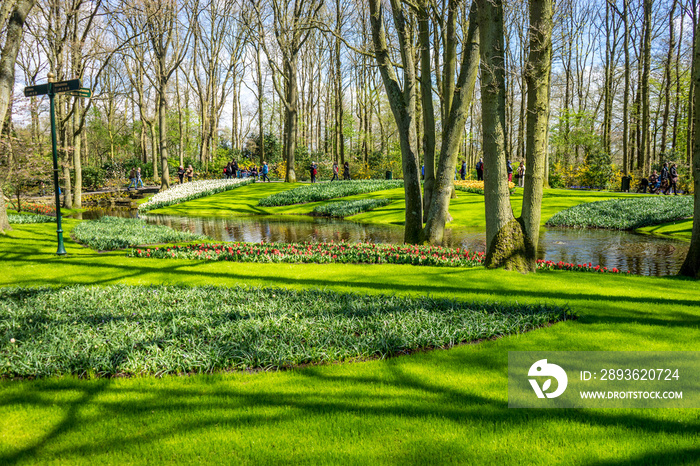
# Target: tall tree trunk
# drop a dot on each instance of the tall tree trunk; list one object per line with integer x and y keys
{"x": 537, "y": 75}
{"x": 677, "y": 104}
{"x": 403, "y": 107}
{"x": 459, "y": 103}
{"x": 644, "y": 142}
{"x": 691, "y": 265}
{"x": 77, "y": 165}
{"x": 162, "y": 139}
{"x": 290, "y": 118}
{"x": 426, "y": 87}
{"x": 258, "y": 63}
{"x": 154, "y": 150}
{"x": 689, "y": 150}
{"x": 8, "y": 57}
{"x": 505, "y": 246}
{"x": 626, "y": 158}
{"x": 667, "y": 87}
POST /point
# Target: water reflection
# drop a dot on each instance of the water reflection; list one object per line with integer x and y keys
{"x": 640, "y": 254}
{"x": 95, "y": 212}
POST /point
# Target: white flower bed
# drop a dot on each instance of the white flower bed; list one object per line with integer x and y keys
{"x": 188, "y": 191}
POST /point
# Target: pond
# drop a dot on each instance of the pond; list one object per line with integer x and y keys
{"x": 640, "y": 254}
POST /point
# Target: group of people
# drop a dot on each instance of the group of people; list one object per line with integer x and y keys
{"x": 519, "y": 175}
{"x": 232, "y": 170}
{"x": 182, "y": 173}
{"x": 135, "y": 178}
{"x": 664, "y": 182}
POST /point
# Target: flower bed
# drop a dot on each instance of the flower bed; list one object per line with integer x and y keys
{"x": 126, "y": 330}
{"x": 115, "y": 233}
{"x": 29, "y": 218}
{"x": 551, "y": 265}
{"x": 346, "y": 208}
{"x": 330, "y": 190}
{"x": 32, "y": 208}
{"x": 626, "y": 213}
{"x": 188, "y": 191}
{"x": 345, "y": 253}
{"x": 476, "y": 187}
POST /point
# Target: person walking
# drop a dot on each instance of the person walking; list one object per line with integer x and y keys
{"x": 672, "y": 180}
{"x": 346, "y": 171}
{"x": 132, "y": 178}
{"x": 313, "y": 171}
{"x": 521, "y": 175}
{"x": 480, "y": 170}
{"x": 181, "y": 174}
{"x": 509, "y": 168}
{"x": 139, "y": 181}
{"x": 234, "y": 169}
{"x": 463, "y": 170}
{"x": 335, "y": 171}
{"x": 189, "y": 173}
{"x": 265, "y": 170}
{"x": 664, "y": 178}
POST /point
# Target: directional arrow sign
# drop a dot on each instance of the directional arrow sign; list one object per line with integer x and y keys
{"x": 82, "y": 92}
{"x": 65, "y": 86}
{"x": 41, "y": 89}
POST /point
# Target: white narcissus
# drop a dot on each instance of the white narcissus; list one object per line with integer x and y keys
{"x": 188, "y": 191}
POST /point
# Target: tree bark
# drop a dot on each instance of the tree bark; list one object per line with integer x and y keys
{"x": 8, "y": 57}
{"x": 459, "y": 104}
{"x": 691, "y": 265}
{"x": 643, "y": 161}
{"x": 426, "y": 87}
{"x": 505, "y": 245}
{"x": 537, "y": 75}
{"x": 162, "y": 138}
{"x": 290, "y": 118}
{"x": 403, "y": 107}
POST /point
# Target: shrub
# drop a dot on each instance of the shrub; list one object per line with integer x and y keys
{"x": 625, "y": 214}
{"x": 348, "y": 208}
{"x": 115, "y": 233}
{"x": 93, "y": 177}
{"x": 324, "y": 191}
{"x": 158, "y": 330}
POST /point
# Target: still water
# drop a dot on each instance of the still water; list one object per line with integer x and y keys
{"x": 640, "y": 254}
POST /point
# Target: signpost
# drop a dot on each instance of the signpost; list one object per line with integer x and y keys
{"x": 72, "y": 87}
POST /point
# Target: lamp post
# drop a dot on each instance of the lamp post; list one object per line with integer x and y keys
{"x": 51, "y": 88}
{"x": 59, "y": 230}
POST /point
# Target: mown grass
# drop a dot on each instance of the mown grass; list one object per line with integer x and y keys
{"x": 625, "y": 214}
{"x": 439, "y": 406}
{"x": 682, "y": 229}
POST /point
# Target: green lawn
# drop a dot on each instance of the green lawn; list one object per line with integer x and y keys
{"x": 682, "y": 229}
{"x": 445, "y": 406}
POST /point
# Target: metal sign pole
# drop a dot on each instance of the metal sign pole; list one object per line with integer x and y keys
{"x": 59, "y": 230}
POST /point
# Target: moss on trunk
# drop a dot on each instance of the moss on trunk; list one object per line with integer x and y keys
{"x": 510, "y": 250}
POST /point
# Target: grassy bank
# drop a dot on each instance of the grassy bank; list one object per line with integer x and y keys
{"x": 682, "y": 229}
{"x": 445, "y": 406}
